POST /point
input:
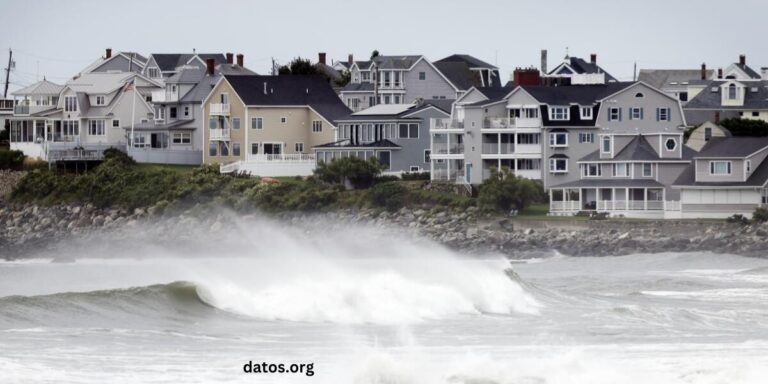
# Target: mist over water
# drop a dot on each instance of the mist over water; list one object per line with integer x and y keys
{"x": 369, "y": 304}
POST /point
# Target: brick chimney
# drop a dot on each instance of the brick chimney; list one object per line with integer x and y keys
{"x": 743, "y": 59}
{"x": 240, "y": 59}
{"x": 719, "y": 73}
{"x": 703, "y": 71}
{"x": 209, "y": 65}
{"x": 230, "y": 58}
{"x": 321, "y": 58}
{"x": 109, "y": 53}
{"x": 593, "y": 58}
{"x": 526, "y": 76}
{"x": 350, "y": 60}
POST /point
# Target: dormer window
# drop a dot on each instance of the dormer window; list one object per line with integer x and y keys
{"x": 720, "y": 168}
{"x": 99, "y": 100}
{"x": 559, "y": 113}
{"x": 732, "y": 92}
{"x": 586, "y": 113}
{"x": 607, "y": 145}
{"x": 153, "y": 73}
{"x": 70, "y": 103}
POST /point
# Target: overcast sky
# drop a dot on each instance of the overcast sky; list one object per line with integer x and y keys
{"x": 58, "y": 38}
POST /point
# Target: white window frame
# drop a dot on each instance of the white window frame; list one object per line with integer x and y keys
{"x": 603, "y": 141}
{"x": 586, "y": 137}
{"x": 553, "y": 139}
{"x": 559, "y": 113}
{"x": 586, "y": 113}
{"x": 713, "y": 165}
{"x": 96, "y": 129}
{"x": 616, "y": 170}
{"x": 553, "y": 165}
{"x": 283, "y": 120}
{"x": 639, "y": 113}
{"x": 674, "y": 147}
{"x": 617, "y": 111}
{"x": 259, "y": 122}
{"x": 100, "y": 100}
{"x": 70, "y": 107}
{"x": 664, "y": 114}
{"x": 317, "y": 126}
{"x": 258, "y": 150}
{"x": 586, "y": 170}
{"x": 650, "y": 167}
{"x": 181, "y": 138}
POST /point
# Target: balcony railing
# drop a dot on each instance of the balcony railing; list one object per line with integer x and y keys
{"x": 496, "y": 149}
{"x": 162, "y": 95}
{"x": 283, "y": 157}
{"x": 438, "y": 124}
{"x": 220, "y": 109}
{"x": 444, "y": 175}
{"x": 21, "y": 110}
{"x": 510, "y": 122}
{"x": 219, "y": 133}
{"x": 445, "y": 149}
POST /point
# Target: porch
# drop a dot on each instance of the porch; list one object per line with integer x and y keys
{"x": 646, "y": 201}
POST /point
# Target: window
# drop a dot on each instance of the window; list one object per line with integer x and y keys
{"x": 586, "y": 137}
{"x": 528, "y": 138}
{"x": 732, "y": 92}
{"x": 283, "y": 120}
{"x": 707, "y": 133}
{"x": 181, "y": 138}
{"x": 427, "y": 155}
{"x": 317, "y": 126}
{"x": 186, "y": 111}
{"x": 235, "y": 149}
{"x": 173, "y": 88}
{"x": 160, "y": 113}
{"x": 140, "y": 140}
{"x": 99, "y": 100}
{"x": 558, "y": 139}
{"x": 558, "y": 165}
{"x": 387, "y": 99}
{"x": 592, "y": 170}
{"x": 409, "y": 131}
{"x": 755, "y": 114}
{"x": 397, "y": 99}
{"x": 559, "y": 113}
{"x": 647, "y": 169}
{"x": 254, "y": 148}
{"x": 586, "y": 113}
{"x": 620, "y": 170}
{"x": 414, "y": 168}
{"x": 385, "y": 160}
{"x": 299, "y": 147}
{"x": 223, "y": 149}
{"x": 748, "y": 166}
{"x": 719, "y": 167}
{"x": 115, "y": 123}
{"x": 172, "y": 112}
{"x": 670, "y": 144}
{"x": 224, "y": 98}
{"x": 614, "y": 114}
{"x": 422, "y": 75}
{"x": 639, "y": 95}
{"x": 257, "y": 123}
{"x": 70, "y": 103}
{"x": 155, "y": 73}
{"x": 235, "y": 123}
{"x": 607, "y": 146}
{"x": 662, "y": 114}
{"x": 96, "y": 128}
{"x": 212, "y": 149}
{"x": 70, "y": 128}
{"x": 635, "y": 113}
{"x": 682, "y": 96}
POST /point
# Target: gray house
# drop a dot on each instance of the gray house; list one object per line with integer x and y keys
{"x": 728, "y": 176}
{"x": 163, "y": 65}
{"x": 675, "y": 82}
{"x": 396, "y": 134}
{"x": 119, "y": 62}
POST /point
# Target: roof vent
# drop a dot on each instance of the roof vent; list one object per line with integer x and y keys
{"x": 265, "y": 87}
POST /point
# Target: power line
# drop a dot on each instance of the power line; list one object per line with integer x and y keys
{"x": 29, "y": 54}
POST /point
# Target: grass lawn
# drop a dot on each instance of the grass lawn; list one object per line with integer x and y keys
{"x": 169, "y": 167}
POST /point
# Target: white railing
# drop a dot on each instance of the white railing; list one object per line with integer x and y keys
{"x": 219, "y": 109}
{"x": 533, "y": 174}
{"x": 496, "y": 149}
{"x": 438, "y": 124}
{"x": 445, "y": 149}
{"x": 672, "y": 206}
{"x": 231, "y": 167}
{"x": 565, "y": 206}
{"x": 219, "y": 133}
{"x": 528, "y": 148}
{"x": 286, "y": 158}
{"x": 511, "y": 122}
{"x": 630, "y": 205}
{"x": 444, "y": 175}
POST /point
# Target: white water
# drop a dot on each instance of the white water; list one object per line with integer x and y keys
{"x": 370, "y": 306}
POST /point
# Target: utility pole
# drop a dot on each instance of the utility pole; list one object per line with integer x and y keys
{"x": 634, "y": 73}
{"x": 8, "y": 72}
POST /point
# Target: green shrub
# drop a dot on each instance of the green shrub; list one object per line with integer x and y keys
{"x": 385, "y": 179}
{"x": 503, "y": 191}
{"x": 745, "y": 127}
{"x": 760, "y": 215}
{"x": 390, "y": 195}
{"x": 357, "y": 172}
{"x": 11, "y": 159}
{"x": 737, "y": 219}
{"x": 415, "y": 176}
{"x": 118, "y": 156}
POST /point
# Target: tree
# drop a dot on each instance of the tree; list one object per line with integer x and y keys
{"x": 352, "y": 172}
{"x": 746, "y": 127}
{"x": 346, "y": 76}
{"x": 298, "y": 66}
{"x": 503, "y": 191}
{"x": 375, "y": 53}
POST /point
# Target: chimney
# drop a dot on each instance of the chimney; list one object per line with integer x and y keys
{"x": 703, "y": 71}
{"x": 209, "y": 66}
{"x": 229, "y": 58}
{"x": 350, "y": 60}
{"x": 717, "y": 117}
{"x": 593, "y": 58}
{"x": 240, "y": 59}
{"x": 544, "y": 61}
{"x": 526, "y": 76}
{"x": 109, "y": 53}
{"x": 719, "y": 73}
{"x": 743, "y": 59}
{"x": 321, "y": 58}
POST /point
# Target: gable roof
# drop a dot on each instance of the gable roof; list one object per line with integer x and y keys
{"x": 170, "y": 61}
{"x": 733, "y": 147}
{"x": 748, "y": 70}
{"x": 660, "y": 78}
{"x": 581, "y": 66}
{"x": 587, "y": 94}
{"x": 41, "y": 88}
{"x": 471, "y": 61}
{"x": 707, "y": 99}
{"x": 638, "y": 149}
{"x": 289, "y": 90}
{"x": 398, "y": 111}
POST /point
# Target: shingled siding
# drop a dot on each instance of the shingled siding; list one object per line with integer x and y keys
{"x": 433, "y": 85}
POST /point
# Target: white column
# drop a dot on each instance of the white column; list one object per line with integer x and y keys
{"x": 645, "y": 199}
{"x": 498, "y": 139}
{"x": 597, "y": 198}
{"x": 613, "y": 196}
{"x": 431, "y": 153}
{"x": 626, "y": 191}
{"x": 34, "y": 130}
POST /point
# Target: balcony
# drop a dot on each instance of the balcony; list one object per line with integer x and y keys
{"x": 162, "y": 96}
{"x": 498, "y": 149}
{"x": 445, "y": 175}
{"x": 218, "y": 109}
{"x": 445, "y": 149}
{"x": 446, "y": 124}
{"x": 511, "y": 122}
{"x": 21, "y": 110}
{"x": 220, "y": 134}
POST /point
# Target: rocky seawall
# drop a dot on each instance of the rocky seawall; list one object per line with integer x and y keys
{"x": 29, "y": 230}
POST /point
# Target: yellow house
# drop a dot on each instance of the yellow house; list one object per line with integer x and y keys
{"x": 267, "y": 125}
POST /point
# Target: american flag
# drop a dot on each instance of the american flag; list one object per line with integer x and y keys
{"x": 128, "y": 86}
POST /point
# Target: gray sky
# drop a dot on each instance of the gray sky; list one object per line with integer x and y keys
{"x": 62, "y": 37}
